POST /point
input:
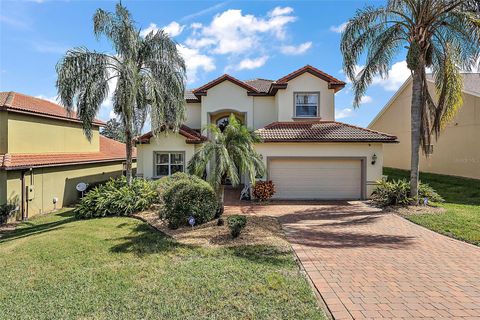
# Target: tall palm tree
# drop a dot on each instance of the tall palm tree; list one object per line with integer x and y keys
{"x": 443, "y": 35}
{"x": 149, "y": 73}
{"x": 227, "y": 154}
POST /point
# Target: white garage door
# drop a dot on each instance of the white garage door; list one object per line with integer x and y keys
{"x": 316, "y": 178}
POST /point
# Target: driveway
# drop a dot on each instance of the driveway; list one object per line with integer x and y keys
{"x": 366, "y": 264}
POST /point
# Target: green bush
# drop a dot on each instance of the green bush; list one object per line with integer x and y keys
{"x": 166, "y": 183}
{"x": 185, "y": 197}
{"x": 116, "y": 197}
{"x": 397, "y": 192}
{"x": 7, "y": 209}
{"x": 236, "y": 223}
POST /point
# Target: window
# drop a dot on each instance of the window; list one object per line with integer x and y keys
{"x": 306, "y": 105}
{"x": 167, "y": 163}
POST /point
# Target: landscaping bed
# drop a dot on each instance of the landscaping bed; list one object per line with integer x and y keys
{"x": 58, "y": 267}
{"x": 458, "y": 217}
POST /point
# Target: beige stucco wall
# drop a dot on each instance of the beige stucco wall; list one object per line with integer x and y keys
{"x": 373, "y": 172}
{"x": 194, "y": 115}
{"x": 264, "y": 111}
{"x": 306, "y": 82}
{"x": 227, "y": 96}
{"x": 30, "y": 134}
{"x": 170, "y": 142}
{"x": 457, "y": 151}
{"x": 3, "y": 132}
{"x": 59, "y": 182}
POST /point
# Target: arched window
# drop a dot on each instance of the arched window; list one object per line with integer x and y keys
{"x": 222, "y": 123}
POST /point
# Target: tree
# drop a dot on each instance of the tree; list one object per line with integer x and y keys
{"x": 149, "y": 73}
{"x": 443, "y": 35}
{"x": 114, "y": 130}
{"x": 226, "y": 155}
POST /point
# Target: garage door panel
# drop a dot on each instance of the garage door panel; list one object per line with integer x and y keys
{"x": 297, "y": 178}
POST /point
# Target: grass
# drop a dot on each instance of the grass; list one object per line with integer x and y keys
{"x": 56, "y": 267}
{"x": 461, "y": 219}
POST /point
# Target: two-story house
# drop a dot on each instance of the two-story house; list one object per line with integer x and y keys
{"x": 308, "y": 155}
{"x": 44, "y": 154}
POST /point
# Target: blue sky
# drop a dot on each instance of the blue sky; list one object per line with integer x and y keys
{"x": 254, "y": 39}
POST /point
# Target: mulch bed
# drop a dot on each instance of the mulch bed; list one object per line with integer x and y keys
{"x": 259, "y": 231}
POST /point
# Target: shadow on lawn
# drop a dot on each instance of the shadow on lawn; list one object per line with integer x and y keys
{"x": 145, "y": 240}
{"x": 262, "y": 254}
{"x": 29, "y": 228}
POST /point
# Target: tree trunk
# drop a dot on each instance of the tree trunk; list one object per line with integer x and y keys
{"x": 220, "y": 199}
{"x": 416, "y": 122}
{"x": 129, "y": 149}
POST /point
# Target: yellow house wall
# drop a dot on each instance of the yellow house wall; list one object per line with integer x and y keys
{"x": 3, "y": 187}
{"x": 171, "y": 142}
{"x": 59, "y": 182}
{"x": 264, "y": 111}
{"x": 3, "y": 132}
{"x": 305, "y": 82}
{"x": 32, "y": 134}
{"x": 457, "y": 151}
{"x": 227, "y": 96}
{"x": 193, "y": 111}
{"x": 373, "y": 172}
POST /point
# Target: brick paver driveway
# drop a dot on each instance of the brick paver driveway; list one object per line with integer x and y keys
{"x": 366, "y": 264}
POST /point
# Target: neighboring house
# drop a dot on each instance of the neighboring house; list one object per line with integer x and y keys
{"x": 44, "y": 154}
{"x": 307, "y": 153}
{"x": 457, "y": 151}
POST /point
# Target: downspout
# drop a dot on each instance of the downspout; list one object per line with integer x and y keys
{"x": 23, "y": 190}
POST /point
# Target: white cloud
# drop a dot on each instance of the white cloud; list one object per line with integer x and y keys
{"x": 232, "y": 32}
{"x": 173, "y": 29}
{"x": 204, "y": 11}
{"x": 366, "y": 99}
{"x": 397, "y": 75}
{"x": 250, "y": 64}
{"x": 14, "y": 22}
{"x": 343, "y": 113}
{"x": 340, "y": 28}
{"x": 296, "y": 50}
{"x": 195, "y": 61}
{"x": 49, "y": 47}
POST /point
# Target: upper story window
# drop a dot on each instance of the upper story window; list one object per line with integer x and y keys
{"x": 307, "y": 104}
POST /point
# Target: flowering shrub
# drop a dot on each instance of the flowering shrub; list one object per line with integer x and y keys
{"x": 263, "y": 190}
{"x": 188, "y": 197}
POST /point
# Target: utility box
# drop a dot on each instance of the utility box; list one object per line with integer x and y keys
{"x": 30, "y": 193}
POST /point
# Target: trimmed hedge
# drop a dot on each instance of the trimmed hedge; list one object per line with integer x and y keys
{"x": 116, "y": 197}
{"x": 184, "y": 196}
{"x": 236, "y": 223}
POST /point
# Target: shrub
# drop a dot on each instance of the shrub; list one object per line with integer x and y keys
{"x": 236, "y": 223}
{"x": 263, "y": 190}
{"x": 397, "y": 192}
{"x": 187, "y": 197}
{"x": 7, "y": 209}
{"x": 116, "y": 197}
{"x": 165, "y": 183}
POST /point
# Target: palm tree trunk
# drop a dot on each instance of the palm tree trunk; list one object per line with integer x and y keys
{"x": 129, "y": 150}
{"x": 220, "y": 199}
{"x": 416, "y": 121}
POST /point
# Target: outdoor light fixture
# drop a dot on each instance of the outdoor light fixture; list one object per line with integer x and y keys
{"x": 374, "y": 159}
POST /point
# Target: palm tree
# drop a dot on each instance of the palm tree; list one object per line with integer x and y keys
{"x": 227, "y": 154}
{"x": 149, "y": 74}
{"x": 442, "y": 35}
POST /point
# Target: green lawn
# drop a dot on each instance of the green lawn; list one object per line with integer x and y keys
{"x": 56, "y": 267}
{"x": 461, "y": 219}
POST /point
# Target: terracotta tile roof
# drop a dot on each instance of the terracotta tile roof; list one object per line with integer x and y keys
{"x": 333, "y": 82}
{"x": 110, "y": 150}
{"x": 190, "y": 97}
{"x": 226, "y": 77}
{"x": 192, "y": 136}
{"x": 18, "y": 102}
{"x": 262, "y": 85}
{"x": 320, "y": 131}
